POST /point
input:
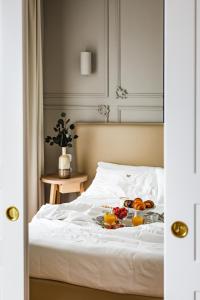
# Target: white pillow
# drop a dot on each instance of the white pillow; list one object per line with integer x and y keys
{"x": 114, "y": 180}
{"x": 161, "y": 183}
{"x": 106, "y": 184}
{"x": 111, "y": 166}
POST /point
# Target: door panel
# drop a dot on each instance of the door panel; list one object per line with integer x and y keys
{"x": 12, "y": 233}
{"x": 182, "y": 268}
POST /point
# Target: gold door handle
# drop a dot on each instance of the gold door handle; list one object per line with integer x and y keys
{"x": 12, "y": 213}
{"x": 179, "y": 229}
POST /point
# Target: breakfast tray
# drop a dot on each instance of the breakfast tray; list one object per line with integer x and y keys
{"x": 149, "y": 217}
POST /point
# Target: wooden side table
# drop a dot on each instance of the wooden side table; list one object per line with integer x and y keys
{"x": 70, "y": 185}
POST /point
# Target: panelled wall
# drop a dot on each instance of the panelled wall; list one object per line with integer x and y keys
{"x": 126, "y": 40}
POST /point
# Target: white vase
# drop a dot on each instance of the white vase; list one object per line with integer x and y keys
{"x": 64, "y": 164}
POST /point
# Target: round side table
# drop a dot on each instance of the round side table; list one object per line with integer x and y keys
{"x": 62, "y": 186}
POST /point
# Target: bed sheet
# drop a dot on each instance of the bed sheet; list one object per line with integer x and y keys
{"x": 67, "y": 245}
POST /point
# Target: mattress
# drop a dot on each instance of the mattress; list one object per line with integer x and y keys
{"x": 66, "y": 244}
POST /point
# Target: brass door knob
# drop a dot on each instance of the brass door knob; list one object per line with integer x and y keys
{"x": 179, "y": 229}
{"x": 12, "y": 213}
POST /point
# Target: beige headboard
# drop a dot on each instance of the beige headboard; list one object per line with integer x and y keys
{"x": 122, "y": 143}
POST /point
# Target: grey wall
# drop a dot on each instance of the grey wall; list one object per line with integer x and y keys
{"x": 126, "y": 38}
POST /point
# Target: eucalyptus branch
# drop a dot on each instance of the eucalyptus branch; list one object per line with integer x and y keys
{"x": 64, "y": 137}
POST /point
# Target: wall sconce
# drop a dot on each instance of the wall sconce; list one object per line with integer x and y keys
{"x": 86, "y": 63}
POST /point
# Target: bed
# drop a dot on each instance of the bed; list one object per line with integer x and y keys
{"x": 71, "y": 256}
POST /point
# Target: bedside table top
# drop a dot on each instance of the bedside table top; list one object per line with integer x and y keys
{"x": 54, "y": 178}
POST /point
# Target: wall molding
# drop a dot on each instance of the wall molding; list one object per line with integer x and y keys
{"x": 118, "y": 22}
{"x": 81, "y": 102}
{"x": 104, "y": 94}
{"x": 107, "y": 47}
{"x": 81, "y": 109}
{"x": 145, "y": 95}
{"x": 78, "y": 95}
{"x": 142, "y": 99}
{"x": 119, "y": 58}
{"x": 121, "y": 109}
{"x": 62, "y": 95}
{"x": 70, "y": 107}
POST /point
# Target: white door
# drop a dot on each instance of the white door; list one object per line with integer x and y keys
{"x": 12, "y": 232}
{"x": 182, "y": 149}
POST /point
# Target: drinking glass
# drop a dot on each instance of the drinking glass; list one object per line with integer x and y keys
{"x": 138, "y": 218}
{"x": 109, "y": 218}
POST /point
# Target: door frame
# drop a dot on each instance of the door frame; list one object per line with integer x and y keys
{"x": 24, "y": 2}
{"x": 13, "y": 175}
{"x": 25, "y": 95}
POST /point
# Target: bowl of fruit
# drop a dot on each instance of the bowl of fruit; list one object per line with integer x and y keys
{"x": 120, "y": 213}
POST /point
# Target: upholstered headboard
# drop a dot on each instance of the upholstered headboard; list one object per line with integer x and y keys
{"x": 123, "y": 143}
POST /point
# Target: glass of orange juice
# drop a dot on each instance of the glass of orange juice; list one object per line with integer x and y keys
{"x": 109, "y": 218}
{"x": 138, "y": 218}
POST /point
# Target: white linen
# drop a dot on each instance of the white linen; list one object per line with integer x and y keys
{"x": 114, "y": 180}
{"x": 67, "y": 245}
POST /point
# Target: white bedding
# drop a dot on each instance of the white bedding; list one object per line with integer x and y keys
{"x": 67, "y": 245}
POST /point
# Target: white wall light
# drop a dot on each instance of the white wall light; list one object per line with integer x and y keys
{"x": 86, "y": 63}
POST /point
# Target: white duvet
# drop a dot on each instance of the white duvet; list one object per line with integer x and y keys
{"x": 67, "y": 245}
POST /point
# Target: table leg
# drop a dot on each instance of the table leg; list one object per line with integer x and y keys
{"x": 57, "y": 195}
{"x": 53, "y": 194}
{"x": 81, "y": 187}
